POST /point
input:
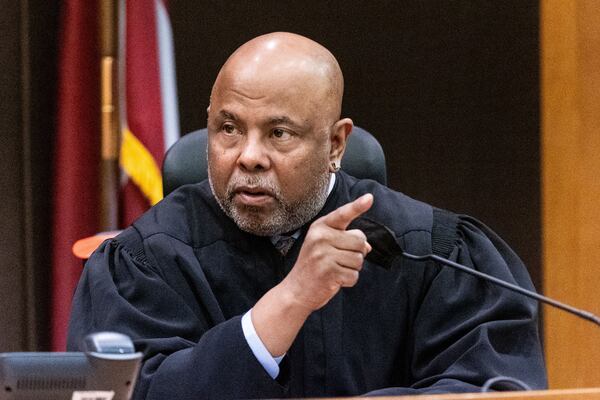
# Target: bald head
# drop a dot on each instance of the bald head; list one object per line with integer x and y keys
{"x": 287, "y": 61}
{"x": 275, "y": 133}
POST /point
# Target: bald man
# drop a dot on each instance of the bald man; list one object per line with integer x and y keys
{"x": 222, "y": 310}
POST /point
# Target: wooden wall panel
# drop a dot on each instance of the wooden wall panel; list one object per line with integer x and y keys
{"x": 12, "y": 297}
{"x": 570, "y": 38}
{"x": 28, "y": 31}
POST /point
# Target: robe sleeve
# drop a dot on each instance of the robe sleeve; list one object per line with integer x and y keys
{"x": 190, "y": 351}
{"x": 467, "y": 331}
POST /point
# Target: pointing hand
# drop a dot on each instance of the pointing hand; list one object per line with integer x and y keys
{"x": 331, "y": 257}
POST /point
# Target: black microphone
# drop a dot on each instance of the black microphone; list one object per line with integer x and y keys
{"x": 385, "y": 249}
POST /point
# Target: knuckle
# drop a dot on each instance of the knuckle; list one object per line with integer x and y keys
{"x": 320, "y": 224}
{"x": 316, "y": 233}
{"x": 358, "y": 234}
{"x": 352, "y": 278}
{"x": 358, "y": 260}
{"x": 362, "y": 236}
{"x": 319, "y": 254}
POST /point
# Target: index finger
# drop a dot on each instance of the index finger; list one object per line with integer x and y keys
{"x": 343, "y": 216}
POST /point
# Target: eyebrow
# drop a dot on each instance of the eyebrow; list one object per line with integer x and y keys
{"x": 283, "y": 119}
{"x": 276, "y": 120}
{"x": 228, "y": 115}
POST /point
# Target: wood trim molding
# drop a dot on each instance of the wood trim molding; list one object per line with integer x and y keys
{"x": 570, "y": 121}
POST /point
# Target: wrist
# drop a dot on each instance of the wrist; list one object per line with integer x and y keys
{"x": 277, "y": 318}
{"x": 292, "y": 299}
{"x": 305, "y": 300}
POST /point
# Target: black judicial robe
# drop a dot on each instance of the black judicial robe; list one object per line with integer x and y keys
{"x": 180, "y": 278}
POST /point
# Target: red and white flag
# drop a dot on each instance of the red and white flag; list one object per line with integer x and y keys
{"x": 150, "y": 124}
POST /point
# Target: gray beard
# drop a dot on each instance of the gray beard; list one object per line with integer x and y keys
{"x": 286, "y": 217}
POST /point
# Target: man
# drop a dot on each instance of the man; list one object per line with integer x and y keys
{"x": 199, "y": 283}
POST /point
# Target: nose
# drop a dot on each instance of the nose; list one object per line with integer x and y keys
{"x": 253, "y": 156}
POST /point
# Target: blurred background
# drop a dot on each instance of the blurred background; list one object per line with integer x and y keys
{"x": 489, "y": 108}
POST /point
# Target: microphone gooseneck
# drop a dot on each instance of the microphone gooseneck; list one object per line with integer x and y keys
{"x": 385, "y": 249}
{"x": 580, "y": 313}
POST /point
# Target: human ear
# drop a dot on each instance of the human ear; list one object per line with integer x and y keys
{"x": 339, "y": 135}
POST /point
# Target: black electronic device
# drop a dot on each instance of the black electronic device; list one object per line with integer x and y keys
{"x": 107, "y": 369}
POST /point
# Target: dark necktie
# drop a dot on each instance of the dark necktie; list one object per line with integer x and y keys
{"x": 284, "y": 244}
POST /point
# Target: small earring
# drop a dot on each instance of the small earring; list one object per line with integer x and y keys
{"x": 334, "y": 166}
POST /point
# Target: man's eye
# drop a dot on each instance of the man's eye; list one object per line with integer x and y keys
{"x": 281, "y": 134}
{"x": 229, "y": 129}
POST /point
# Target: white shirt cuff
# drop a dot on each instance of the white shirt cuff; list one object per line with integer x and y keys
{"x": 269, "y": 363}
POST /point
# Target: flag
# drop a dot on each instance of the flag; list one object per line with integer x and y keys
{"x": 76, "y": 156}
{"x": 150, "y": 124}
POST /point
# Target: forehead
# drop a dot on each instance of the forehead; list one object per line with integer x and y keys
{"x": 290, "y": 88}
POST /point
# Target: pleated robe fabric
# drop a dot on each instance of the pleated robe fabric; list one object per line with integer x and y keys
{"x": 180, "y": 278}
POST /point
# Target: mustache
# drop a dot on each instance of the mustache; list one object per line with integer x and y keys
{"x": 256, "y": 183}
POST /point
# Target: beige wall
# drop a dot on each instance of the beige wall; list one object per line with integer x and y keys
{"x": 570, "y": 44}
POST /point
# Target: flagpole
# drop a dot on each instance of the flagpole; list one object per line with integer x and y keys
{"x": 109, "y": 171}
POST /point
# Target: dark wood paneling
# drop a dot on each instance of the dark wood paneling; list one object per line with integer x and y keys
{"x": 39, "y": 110}
{"x": 12, "y": 299}
{"x": 27, "y": 61}
{"x": 449, "y": 88}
